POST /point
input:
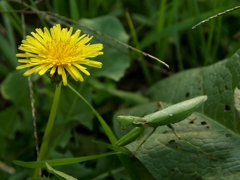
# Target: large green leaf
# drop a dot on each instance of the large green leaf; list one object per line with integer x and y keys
{"x": 217, "y": 81}
{"x": 114, "y": 59}
{"x": 14, "y": 87}
{"x": 214, "y": 128}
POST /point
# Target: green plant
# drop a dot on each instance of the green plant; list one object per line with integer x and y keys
{"x": 160, "y": 28}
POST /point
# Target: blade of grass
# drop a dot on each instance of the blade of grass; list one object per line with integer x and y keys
{"x": 202, "y": 43}
{"x": 40, "y": 17}
{"x": 144, "y": 68}
{"x": 59, "y": 174}
{"x": 176, "y": 37}
{"x": 115, "y": 148}
{"x": 106, "y": 128}
{"x": 13, "y": 18}
{"x": 63, "y": 161}
{"x": 74, "y": 10}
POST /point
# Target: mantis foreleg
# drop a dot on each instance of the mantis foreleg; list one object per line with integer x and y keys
{"x": 145, "y": 140}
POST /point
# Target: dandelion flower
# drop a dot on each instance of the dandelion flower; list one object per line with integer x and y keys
{"x": 59, "y": 53}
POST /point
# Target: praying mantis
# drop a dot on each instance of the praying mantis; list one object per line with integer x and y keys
{"x": 168, "y": 116}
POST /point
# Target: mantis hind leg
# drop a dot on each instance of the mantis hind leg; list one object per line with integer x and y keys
{"x": 190, "y": 144}
{"x": 180, "y": 138}
{"x": 173, "y": 130}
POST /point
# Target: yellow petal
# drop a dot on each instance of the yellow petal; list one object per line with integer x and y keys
{"x": 43, "y": 70}
{"x": 64, "y": 78}
{"x": 81, "y": 68}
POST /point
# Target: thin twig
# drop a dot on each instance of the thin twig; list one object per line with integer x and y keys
{"x": 212, "y": 17}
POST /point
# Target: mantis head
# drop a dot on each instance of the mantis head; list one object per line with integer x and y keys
{"x": 125, "y": 121}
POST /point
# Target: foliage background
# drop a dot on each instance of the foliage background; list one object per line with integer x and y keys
{"x": 162, "y": 28}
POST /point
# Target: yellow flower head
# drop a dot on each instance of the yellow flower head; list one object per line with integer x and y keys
{"x": 58, "y": 52}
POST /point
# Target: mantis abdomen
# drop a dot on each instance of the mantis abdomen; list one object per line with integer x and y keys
{"x": 174, "y": 113}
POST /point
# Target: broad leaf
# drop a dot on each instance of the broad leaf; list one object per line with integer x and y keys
{"x": 115, "y": 59}
{"x": 217, "y": 81}
{"x": 12, "y": 85}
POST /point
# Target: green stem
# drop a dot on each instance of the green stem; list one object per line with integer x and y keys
{"x": 49, "y": 126}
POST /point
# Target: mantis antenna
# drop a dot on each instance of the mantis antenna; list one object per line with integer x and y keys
{"x": 212, "y": 17}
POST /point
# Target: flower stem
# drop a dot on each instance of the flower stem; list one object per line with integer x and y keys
{"x": 49, "y": 126}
